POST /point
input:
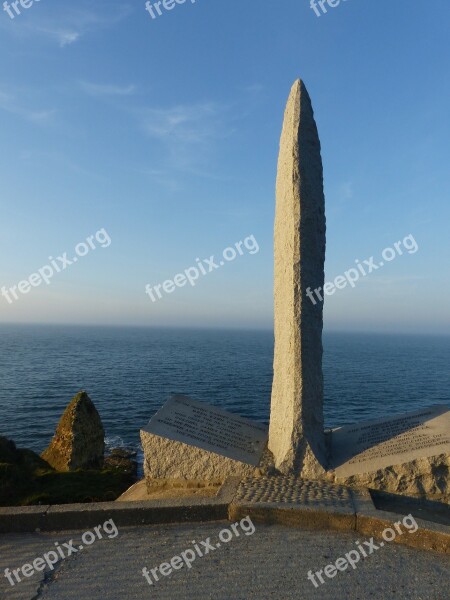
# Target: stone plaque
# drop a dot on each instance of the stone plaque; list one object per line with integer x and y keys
{"x": 182, "y": 419}
{"x": 367, "y": 447}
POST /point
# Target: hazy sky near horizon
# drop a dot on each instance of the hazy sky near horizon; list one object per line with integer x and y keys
{"x": 165, "y": 133}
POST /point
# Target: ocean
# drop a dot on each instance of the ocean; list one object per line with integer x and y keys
{"x": 130, "y": 372}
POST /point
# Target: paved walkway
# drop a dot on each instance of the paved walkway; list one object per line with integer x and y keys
{"x": 273, "y": 562}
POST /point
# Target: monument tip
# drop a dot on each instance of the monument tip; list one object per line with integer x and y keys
{"x": 298, "y": 84}
{"x": 298, "y": 91}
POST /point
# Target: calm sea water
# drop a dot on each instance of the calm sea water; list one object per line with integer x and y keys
{"x": 130, "y": 372}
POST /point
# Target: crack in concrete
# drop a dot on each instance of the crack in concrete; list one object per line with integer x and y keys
{"x": 48, "y": 579}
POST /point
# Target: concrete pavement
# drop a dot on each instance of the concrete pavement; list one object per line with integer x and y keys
{"x": 273, "y": 562}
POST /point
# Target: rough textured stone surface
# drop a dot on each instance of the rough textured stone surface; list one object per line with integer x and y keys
{"x": 123, "y": 460}
{"x": 78, "y": 442}
{"x": 191, "y": 441}
{"x": 296, "y": 436}
{"x": 425, "y": 477}
{"x": 171, "y": 460}
{"x": 368, "y": 446}
{"x": 210, "y": 428}
{"x": 405, "y": 454}
{"x": 292, "y": 490}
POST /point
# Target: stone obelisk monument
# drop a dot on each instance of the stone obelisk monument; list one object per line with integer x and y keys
{"x": 296, "y": 435}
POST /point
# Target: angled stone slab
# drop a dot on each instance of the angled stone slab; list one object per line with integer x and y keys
{"x": 296, "y": 436}
{"x": 372, "y": 445}
{"x": 191, "y": 440}
{"x": 404, "y": 454}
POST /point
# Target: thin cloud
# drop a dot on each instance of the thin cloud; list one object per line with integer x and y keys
{"x": 11, "y": 103}
{"x": 392, "y": 281}
{"x": 186, "y": 124}
{"x": 255, "y": 88}
{"x": 68, "y": 37}
{"x": 346, "y": 190}
{"x": 98, "y": 89}
{"x": 63, "y": 37}
{"x": 189, "y": 135}
{"x": 62, "y": 162}
{"x": 67, "y": 25}
{"x": 164, "y": 178}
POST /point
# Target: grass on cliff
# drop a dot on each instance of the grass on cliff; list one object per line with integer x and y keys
{"x": 78, "y": 486}
{"x": 26, "y": 479}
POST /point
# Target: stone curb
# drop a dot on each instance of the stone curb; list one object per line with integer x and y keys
{"x": 365, "y": 519}
{"x": 362, "y": 517}
{"x": 372, "y": 522}
{"x": 293, "y": 516}
{"x": 62, "y": 517}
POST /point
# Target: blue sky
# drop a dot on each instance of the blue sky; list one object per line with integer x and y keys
{"x": 165, "y": 132}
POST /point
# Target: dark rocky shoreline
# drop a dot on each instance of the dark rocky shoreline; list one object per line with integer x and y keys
{"x": 72, "y": 469}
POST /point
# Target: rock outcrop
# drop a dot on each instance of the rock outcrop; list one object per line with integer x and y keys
{"x": 124, "y": 460}
{"x": 79, "y": 440}
{"x": 18, "y": 467}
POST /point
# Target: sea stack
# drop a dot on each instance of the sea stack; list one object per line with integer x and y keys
{"x": 296, "y": 436}
{"x": 79, "y": 440}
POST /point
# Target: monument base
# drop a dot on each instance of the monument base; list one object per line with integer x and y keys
{"x": 169, "y": 460}
{"x": 310, "y": 467}
{"x": 175, "y": 464}
{"x": 191, "y": 441}
{"x": 423, "y": 478}
{"x": 406, "y": 454}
